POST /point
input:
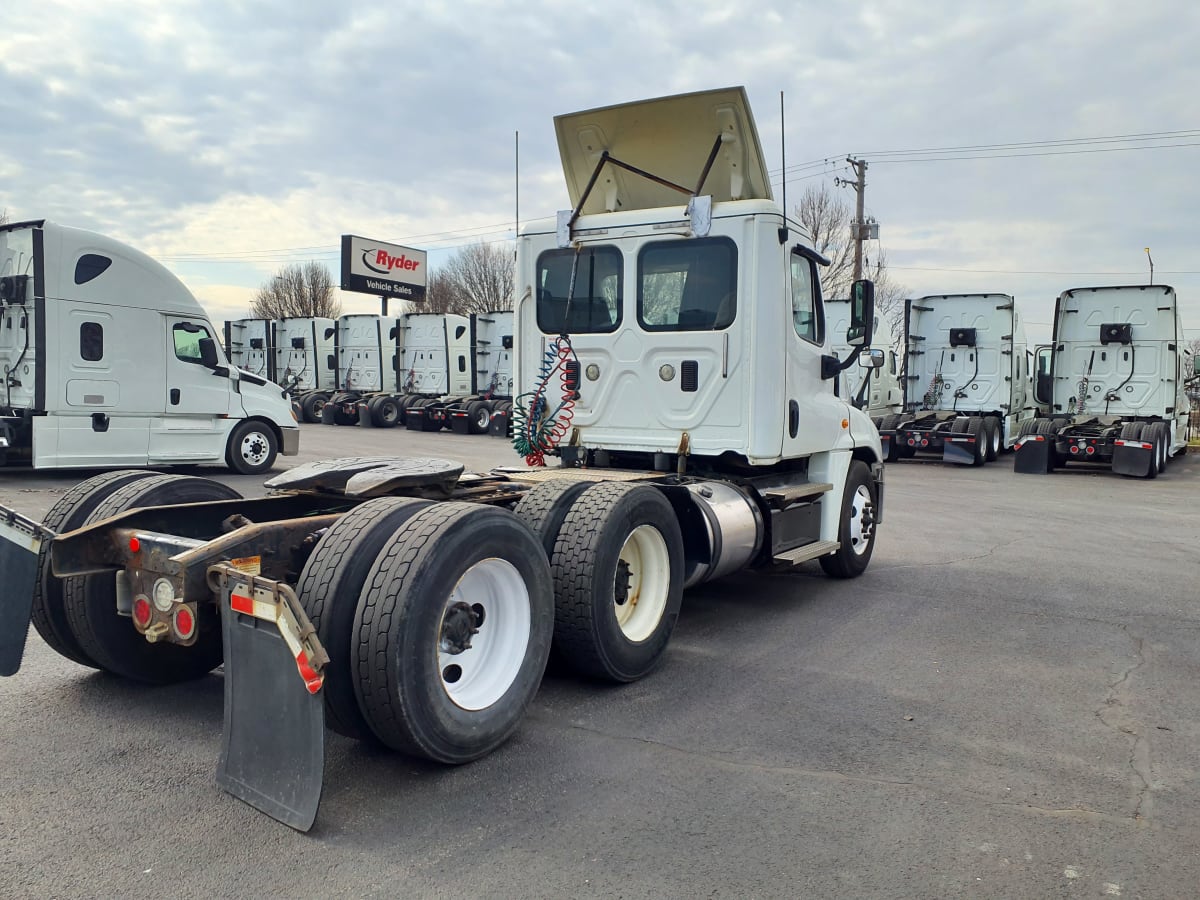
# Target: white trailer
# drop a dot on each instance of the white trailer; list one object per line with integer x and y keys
{"x": 305, "y": 360}
{"x": 875, "y": 389}
{"x": 968, "y": 387}
{"x": 249, "y": 346}
{"x": 1113, "y": 383}
{"x": 405, "y": 603}
{"x": 109, "y": 360}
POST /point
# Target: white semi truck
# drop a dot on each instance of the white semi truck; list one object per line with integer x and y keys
{"x": 672, "y": 356}
{"x": 1112, "y": 382}
{"x": 108, "y": 361}
{"x": 968, "y": 387}
{"x": 304, "y": 360}
{"x": 249, "y": 346}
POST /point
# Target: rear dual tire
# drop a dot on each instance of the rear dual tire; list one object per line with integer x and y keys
{"x": 427, "y": 685}
{"x": 90, "y": 601}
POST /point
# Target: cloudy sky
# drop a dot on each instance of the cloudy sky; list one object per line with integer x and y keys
{"x": 230, "y": 138}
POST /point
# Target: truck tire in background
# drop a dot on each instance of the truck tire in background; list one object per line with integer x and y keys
{"x": 618, "y": 581}
{"x": 68, "y": 513}
{"x": 994, "y": 433}
{"x": 252, "y": 448}
{"x": 91, "y": 603}
{"x": 453, "y": 632}
{"x": 385, "y": 412}
{"x": 856, "y": 529}
{"x": 889, "y": 423}
{"x": 312, "y": 404}
{"x": 544, "y": 507}
{"x": 479, "y": 417}
{"x": 328, "y": 589}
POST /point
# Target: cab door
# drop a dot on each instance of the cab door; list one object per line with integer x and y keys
{"x": 812, "y": 415}
{"x": 199, "y": 405}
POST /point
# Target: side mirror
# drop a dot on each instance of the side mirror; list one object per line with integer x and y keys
{"x": 208, "y": 353}
{"x": 872, "y": 359}
{"x": 862, "y": 314}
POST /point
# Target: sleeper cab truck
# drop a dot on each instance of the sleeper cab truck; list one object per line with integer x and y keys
{"x": 1113, "y": 382}
{"x": 967, "y": 379}
{"x": 109, "y": 361}
{"x": 305, "y": 364}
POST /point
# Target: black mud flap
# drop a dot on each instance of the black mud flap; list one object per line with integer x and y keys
{"x": 1133, "y": 458}
{"x": 959, "y": 449}
{"x": 20, "y": 541}
{"x": 1033, "y": 455}
{"x": 273, "y": 748}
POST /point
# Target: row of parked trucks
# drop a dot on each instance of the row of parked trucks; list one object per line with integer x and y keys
{"x": 446, "y": 370}
{"x": 1110, "y": 388}
{"x": 673, "y": 351}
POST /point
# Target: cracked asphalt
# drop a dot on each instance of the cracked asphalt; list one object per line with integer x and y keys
{"x": 1004, "y": 705}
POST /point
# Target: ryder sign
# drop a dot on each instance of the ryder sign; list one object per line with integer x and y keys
{"x": 386, "y": 270}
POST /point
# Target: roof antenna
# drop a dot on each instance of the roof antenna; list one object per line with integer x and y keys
{"x": 517, "y": 190}
{"x": 783, "y": 231}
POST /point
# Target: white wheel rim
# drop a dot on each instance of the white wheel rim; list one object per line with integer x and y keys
{"x": 641, "y": 609}
{"x": 861, "y": 531}
{"x": 483, "y": 418}
{"x": 996, "y": 440}
{"x": 478, "y": 676}
{"x": 255, "y": 448}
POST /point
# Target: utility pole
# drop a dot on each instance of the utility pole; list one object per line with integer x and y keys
{"x": 859, "y": 226}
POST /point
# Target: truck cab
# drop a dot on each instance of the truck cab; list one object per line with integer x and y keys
{"x": 1113, "y": 383}
{"x": 109, "y": 361}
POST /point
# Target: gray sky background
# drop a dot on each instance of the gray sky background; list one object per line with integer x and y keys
{"x": 227, "y": 139}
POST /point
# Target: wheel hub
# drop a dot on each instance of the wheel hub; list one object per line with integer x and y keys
{"x": 621, "y": 583}
{"x": 458, "y": 625}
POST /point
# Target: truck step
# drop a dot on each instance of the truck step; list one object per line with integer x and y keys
{"x": 783, "y": 497}
{"x": 798, "y": 555}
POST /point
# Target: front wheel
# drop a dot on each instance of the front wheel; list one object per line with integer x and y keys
{"x": 856, "y": 533}
{"x": 252, "y": 448}
{"x": 453, "y": 632}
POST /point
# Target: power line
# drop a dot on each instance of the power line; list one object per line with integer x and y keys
{"x": 1021, "y": 272}
{"x": 1040, "y": 153}
{"x": 1107, "y": 139}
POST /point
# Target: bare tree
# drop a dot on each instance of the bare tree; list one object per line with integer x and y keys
{"x": 826, "y": 217}
{"x": 4, "y": 216}
{"x": 479, "y": 279}
{"x": 297, "y": 290}
{"x": 442, "y": 294}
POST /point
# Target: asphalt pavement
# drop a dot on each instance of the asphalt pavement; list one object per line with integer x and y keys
{"x": 1004, "y": 705}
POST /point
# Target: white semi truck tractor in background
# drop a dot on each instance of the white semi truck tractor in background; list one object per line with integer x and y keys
{"x": 967, "y": 379}
{"x": 108, "y": 361}
{"x": 1113, "y": 383}
{"x": 672, "y": 357}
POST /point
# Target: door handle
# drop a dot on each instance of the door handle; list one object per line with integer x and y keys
{"x": 174, "y": 396}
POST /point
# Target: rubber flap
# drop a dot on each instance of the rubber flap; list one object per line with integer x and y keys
{"x": 273, "y": 748}
{"x": 20, "y": 541}
{"x": 959, "y": 452}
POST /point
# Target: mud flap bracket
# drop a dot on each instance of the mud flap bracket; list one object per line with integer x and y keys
{"x": 273, "y": 746}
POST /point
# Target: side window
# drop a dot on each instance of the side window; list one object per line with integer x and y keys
{"x": 187, "y": 341}
{"x": 595, "y": 304}
{"x": 806, "y": 311}
{"x": 687, "y": 285}
{"x": 892, "y": 362}
{"x": 91, "y": 341}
